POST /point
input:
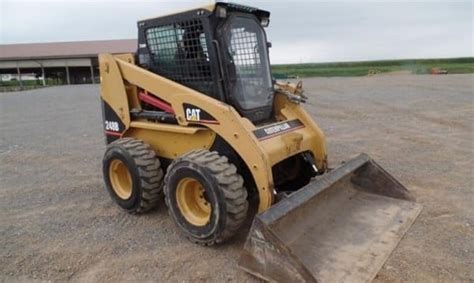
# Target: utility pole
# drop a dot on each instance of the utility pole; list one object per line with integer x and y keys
{"x": 19, "y": 75}
{"x": 43, "y": 75}
{"x": 67, "y": 75}
{"x": 92, "y": 73}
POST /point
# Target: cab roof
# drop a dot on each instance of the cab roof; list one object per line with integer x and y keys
{"x": 231, "y": 7}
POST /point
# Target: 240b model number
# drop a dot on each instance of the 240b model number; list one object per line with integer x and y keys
{"x": 112, "y": 126}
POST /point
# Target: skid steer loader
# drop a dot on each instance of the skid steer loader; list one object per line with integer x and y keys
{"x": 195, "y": 113}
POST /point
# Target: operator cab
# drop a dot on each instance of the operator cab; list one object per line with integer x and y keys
{"x": 220, "y": 50}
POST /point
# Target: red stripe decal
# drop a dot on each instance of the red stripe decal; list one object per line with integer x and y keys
{"x": 145, "y": 97}
{"x": 109, "y": 133}
{"x": 204, "y": 122}
{"x": 208, "y": 122}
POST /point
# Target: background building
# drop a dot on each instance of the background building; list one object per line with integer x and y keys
{"x": 57, "y": 62}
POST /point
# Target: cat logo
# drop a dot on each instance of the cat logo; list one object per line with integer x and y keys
{"x": 193, "y": 114}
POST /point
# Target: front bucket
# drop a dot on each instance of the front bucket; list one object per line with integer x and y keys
{"x": 340, "y": 228}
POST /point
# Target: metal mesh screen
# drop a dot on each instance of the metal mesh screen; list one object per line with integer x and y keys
{"x": 247, "y": 48}
{"x": 246, "y": 55}
{"x": 179, "y": 52}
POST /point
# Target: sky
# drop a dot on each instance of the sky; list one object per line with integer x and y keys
{"x": 300, "y": 31}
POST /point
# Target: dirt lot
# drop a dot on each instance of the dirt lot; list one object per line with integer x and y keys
{"x": 57, "y": 221}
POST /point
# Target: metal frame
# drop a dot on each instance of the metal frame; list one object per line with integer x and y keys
{"x": 198, "y": 14}
{"x": 259, "y": 155}
{"x": 212, "y": 27}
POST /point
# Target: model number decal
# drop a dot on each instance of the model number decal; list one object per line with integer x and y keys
{"x": 278, "y": 129}
{"x": 112, "y": 126}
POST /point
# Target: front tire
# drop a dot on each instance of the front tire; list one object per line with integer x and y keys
{"x": 205, "y": 196}
{"x": 132, "y": 174}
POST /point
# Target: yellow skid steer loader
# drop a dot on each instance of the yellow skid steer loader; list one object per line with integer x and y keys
{"x": 195, "y": 114}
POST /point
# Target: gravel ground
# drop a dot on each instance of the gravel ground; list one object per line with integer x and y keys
{"x": 58, "y": 222}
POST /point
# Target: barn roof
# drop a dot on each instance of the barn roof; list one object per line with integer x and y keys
{"x": 66, "y": 49}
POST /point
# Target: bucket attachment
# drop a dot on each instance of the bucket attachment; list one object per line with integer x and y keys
{"x": 340, "y": 228}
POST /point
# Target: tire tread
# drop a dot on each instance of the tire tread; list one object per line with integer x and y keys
{"x": 229, "y": 181}
{"x": 149, "y": 171}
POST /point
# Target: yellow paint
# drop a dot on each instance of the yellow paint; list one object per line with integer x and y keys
{"x": 112, "y": 88}
{"x": 170, "y": 141}
{"x": 192, "y": 202}
{"x": 169, "y": 144}
{"x": 120, "y": 179}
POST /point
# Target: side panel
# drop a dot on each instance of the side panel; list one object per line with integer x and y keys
{"x": 113, "y": 125}
{"x": 114, "y": 98}
{"x": 172, "y": 144}
{"x": 312, "y": 137}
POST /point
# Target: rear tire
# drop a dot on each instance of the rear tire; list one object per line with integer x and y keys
{"x": 205, "y": 196}
{"x": 132, "y": 174}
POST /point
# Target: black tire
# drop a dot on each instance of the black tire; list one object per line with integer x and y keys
{"x": 146, "y": 175}
{"x": 223, "y": 188}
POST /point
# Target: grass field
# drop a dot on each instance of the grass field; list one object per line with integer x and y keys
{"x": 339, "y": 69}
{"x": 351, "y": 69}
{"x": 14, "y": 85}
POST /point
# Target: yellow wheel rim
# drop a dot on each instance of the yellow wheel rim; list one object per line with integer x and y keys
{"x": 120, "y": 178}
{"x": 192, "y": 202}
